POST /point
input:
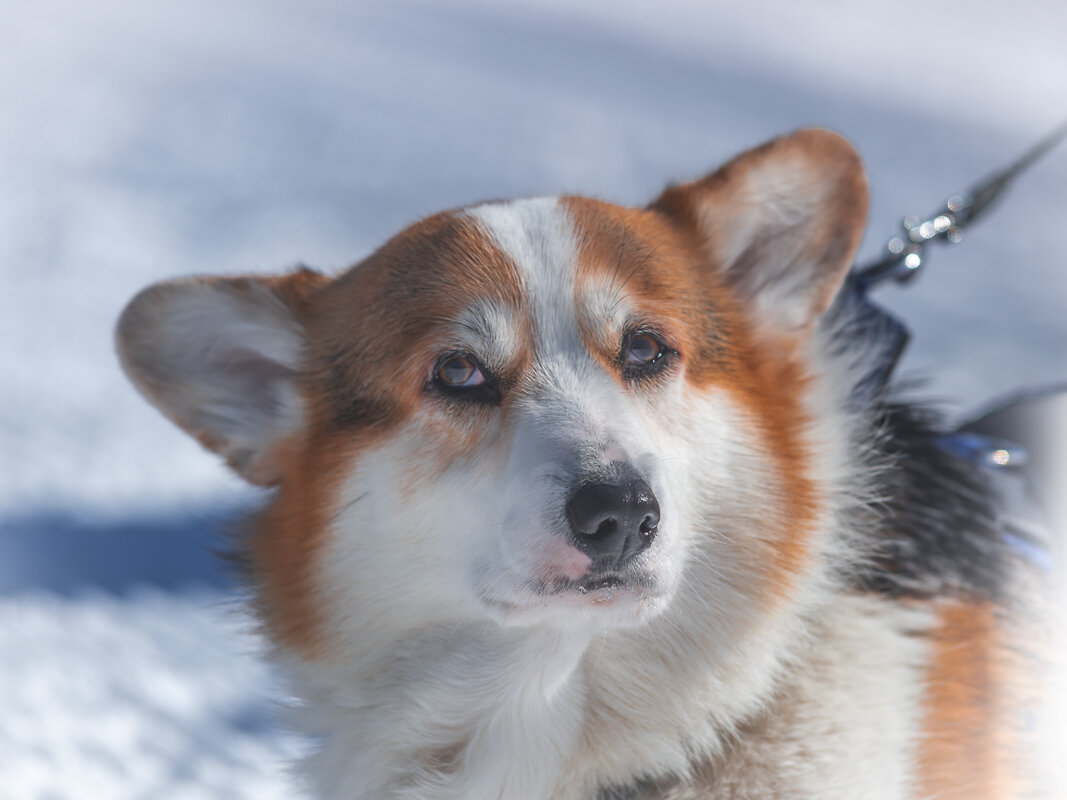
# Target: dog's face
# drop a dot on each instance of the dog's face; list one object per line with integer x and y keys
{"x": 530, "y": 412}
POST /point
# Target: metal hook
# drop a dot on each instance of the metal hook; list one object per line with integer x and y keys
{"x": 906, "y": 251}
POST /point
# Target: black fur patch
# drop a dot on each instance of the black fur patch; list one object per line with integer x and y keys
{"x": 940, "y": 533}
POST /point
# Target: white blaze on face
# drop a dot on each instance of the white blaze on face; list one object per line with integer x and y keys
{"x": 538, "y": 237}
{"x": 571, "y": 417}
{"x": 570, "y": 408}
{"x": 568, "y": 389}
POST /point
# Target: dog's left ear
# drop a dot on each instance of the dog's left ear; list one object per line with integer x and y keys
{"x": 781, "y": 222}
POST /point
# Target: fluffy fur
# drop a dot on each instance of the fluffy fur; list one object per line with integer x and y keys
{"x": 791, "y": 622}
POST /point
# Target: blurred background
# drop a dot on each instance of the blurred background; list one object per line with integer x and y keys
{"x": 140, "y": 141}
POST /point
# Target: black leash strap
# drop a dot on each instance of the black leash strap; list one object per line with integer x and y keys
{"x": 884, "y": 334}
{"x": 1021, "y": 520}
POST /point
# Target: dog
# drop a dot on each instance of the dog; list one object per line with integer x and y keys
{"x": 575, "y": 501}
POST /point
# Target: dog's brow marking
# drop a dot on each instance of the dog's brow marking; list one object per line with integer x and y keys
{"x": 491, "y": 330}
{"x": 618, "y": 281}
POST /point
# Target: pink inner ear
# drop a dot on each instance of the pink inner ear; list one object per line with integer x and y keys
{"x": 219, "y": 356}
{"x": 263, "y": 381}
{"x": 255, "y": 369}
{"x": 781, "y": 221}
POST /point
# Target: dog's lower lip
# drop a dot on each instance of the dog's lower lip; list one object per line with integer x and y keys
{"x": 598, "y": 583}
{"x": 595, "y": 583}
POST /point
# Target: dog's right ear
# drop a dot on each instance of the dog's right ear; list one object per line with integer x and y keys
{"x": 780, "y": 223}
{"x": 220, "y": 357}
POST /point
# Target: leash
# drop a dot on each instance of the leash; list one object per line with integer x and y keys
{"x": 1019, "y": 518}
{"x": 906, "y": 251}
{"x": 886, "y": 335}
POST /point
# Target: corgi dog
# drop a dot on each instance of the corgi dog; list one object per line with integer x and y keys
{"x": 575, "y": 502}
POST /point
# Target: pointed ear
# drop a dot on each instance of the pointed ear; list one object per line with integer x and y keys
{"x": 782, "y": 222}
{"x": 220, "y": 357}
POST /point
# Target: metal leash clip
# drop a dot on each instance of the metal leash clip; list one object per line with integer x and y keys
{"x": 998, "y": 443}
{"x": 867, "y": 321}
{"x": 906, "y": 251}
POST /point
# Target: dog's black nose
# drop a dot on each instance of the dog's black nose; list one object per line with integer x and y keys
{"x": 613, "y": 522}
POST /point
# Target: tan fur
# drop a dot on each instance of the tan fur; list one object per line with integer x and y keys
{"x": 967, "y": 738}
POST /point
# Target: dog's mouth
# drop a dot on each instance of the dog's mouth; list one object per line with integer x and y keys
{"x": 631, "y": 591}
{"x": 613, "y": 598}
{"x": 612, "y": 581}
{"x": 598, "y": 587}
{"x": 608, "y": 582}
{"x": 590, "y": 592}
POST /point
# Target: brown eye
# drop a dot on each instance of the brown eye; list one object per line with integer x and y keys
{"x": 459, "y": 372}
{"x": 643, "y": 350}
{"x": 460, "y": 378}
{"x": 644, "y": 356}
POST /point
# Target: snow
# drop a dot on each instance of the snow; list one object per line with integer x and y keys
{"x": 143, "y": 696}
{"x": 141, "y": 141}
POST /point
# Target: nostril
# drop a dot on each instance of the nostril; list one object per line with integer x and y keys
{"x": 605, "y": 528}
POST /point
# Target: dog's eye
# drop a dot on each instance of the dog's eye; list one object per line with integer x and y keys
{"x": 644, "y": 356}
{"x": 460, "y": 378}
{"x": 459, "y": 372}
{"x": 642, "y": 350}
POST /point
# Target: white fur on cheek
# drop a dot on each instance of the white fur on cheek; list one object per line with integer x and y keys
{"x": 423, "y": 694}
{"x": 426, "y": 696}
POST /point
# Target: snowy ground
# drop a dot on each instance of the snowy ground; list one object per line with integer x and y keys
{"x": 145, "y": 140}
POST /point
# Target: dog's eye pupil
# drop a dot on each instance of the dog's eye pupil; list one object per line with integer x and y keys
{"x": 456, "y": 371}
{"x": 459, "y": 371}
{"x": 643, "y": 349}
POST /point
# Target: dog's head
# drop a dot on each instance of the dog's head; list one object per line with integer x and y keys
{"x": 537, "y": 411}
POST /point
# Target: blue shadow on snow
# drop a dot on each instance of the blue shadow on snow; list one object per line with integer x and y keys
{"x": 62, "y": 553}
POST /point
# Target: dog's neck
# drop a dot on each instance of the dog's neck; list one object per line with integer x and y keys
{"x": 481, "y": 711}
{"x": 469, "y": 711}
